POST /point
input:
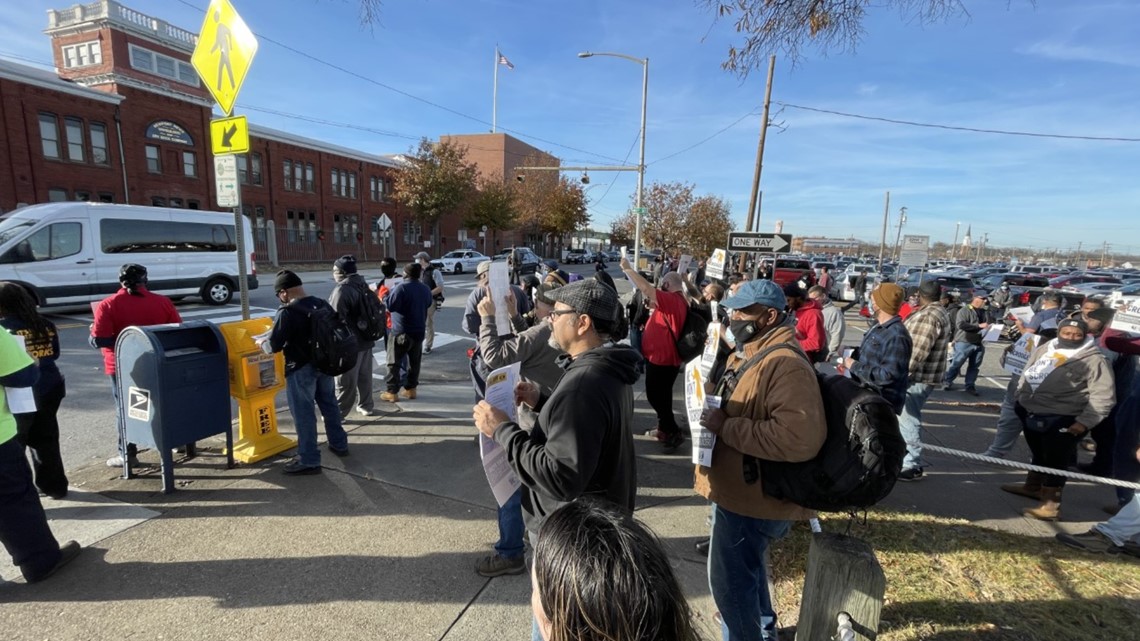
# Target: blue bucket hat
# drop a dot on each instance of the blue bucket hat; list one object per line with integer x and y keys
{"x": 757, "y": 292}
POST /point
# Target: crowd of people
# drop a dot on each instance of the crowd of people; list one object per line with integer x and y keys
{"x": 597, "y": 572}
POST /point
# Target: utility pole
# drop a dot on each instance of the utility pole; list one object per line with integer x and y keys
{"x": 1077, "y": 263}
{"x": 1103, "y": 253}
{"x": 754, "y": 201}
{"x": 883, "y": 238}
{"x": 954, "y": 245}
{"x": 898, "y": 236}
{"x": 981, "y": 246}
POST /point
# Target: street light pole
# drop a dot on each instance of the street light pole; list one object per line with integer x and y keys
{"x": 898, "y": 236}
{"x": 954, "y": 245}
{"x": 644, "y": 62}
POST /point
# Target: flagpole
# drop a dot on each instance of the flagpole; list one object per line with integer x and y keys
{"x": 495, "y": 92}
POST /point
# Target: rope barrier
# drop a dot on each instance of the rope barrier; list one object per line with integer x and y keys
{"x": 1076, "y": 476}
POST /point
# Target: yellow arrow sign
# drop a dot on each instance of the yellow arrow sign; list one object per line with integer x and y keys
{"x": 225, "y": 50}
{"x": 229, "y": 135}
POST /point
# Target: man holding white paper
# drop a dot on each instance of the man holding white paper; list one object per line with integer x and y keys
{"x": 529, "y": 351}
{"x": 582, "y": 442}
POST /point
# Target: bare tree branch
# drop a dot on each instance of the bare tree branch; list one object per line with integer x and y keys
{"x": 786, "y": 26}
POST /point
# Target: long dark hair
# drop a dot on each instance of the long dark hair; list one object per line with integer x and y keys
{"x": 17, "y": 302}
{"x": 603, "y": 576}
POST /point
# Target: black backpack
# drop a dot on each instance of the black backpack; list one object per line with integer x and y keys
{"x": 694, "y": 333}
{"x": 372, "y": 321}
{"x": 332, "y": 343}
{"x": 860, "y": 459}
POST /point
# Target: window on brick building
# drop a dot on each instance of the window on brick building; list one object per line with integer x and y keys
{"x": 337, "y": 231}
{"x": 98, "y": 134}
{"x": 73, "y": 128}
{"x": 157, "y": 201}
{"x": 288, "y": 166}
{"x": 57, "y": 195}
{"x": 84, "y": 196}
{"x": 312, "y": 226}
{"x": 254, "y": 168}
{"x": 49, "y": 135}
{"x": 106, "y": 197}
{"x": 334, "y": 180}
{"x": 176, "y": 202}
{"x": 193, "y": 204}
{"x": 83, "y": 54}
{"x": 310, "y": 178}
{"x": 190, "y": 164}
{"x": 153, "y": 159}
{"x": 165, "y": 66}
{"x": 298, "y": 177}
{"x": 291, "y": 226}
{"x": 352, "y": 184}
{"x": 412, "y": 232}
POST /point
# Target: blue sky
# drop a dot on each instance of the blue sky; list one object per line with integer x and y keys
{"x": 1060, "y": 67}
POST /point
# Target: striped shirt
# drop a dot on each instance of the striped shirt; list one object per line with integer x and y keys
{"x": 930, "y": 333}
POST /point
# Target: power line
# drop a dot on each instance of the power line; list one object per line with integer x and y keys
{"x": 410, "y": 95}
{"x": 618, "y": 174}
{"x": 698, "y": 144}
{"x": 1002, "y": 132}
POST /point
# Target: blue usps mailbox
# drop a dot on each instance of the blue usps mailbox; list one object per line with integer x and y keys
{"x": 173, "y": 389}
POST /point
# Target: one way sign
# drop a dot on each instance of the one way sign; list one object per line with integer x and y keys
{"x": 229, "y": 135}
{"x": 754, "y": 241}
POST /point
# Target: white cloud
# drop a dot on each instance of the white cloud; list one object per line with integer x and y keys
{"x": 867, "y": 89}
{"x": 1058, "y": 50}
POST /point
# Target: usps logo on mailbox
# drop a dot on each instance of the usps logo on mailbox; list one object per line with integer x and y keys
{"x": 138, "y": 404}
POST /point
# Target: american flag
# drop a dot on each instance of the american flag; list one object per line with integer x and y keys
{"x": 503, "y": 61}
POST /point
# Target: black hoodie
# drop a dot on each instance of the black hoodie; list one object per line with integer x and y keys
{"x": 582, "y": 443}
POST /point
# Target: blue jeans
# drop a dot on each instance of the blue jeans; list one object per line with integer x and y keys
{"x": 910, "y": 424}
{"x": 972, "y": 356}
{"x": 307, "y": 389}
{"x": 738, "y": 574}
{"x": 511, "y": 528}
{"x": 1008, "y": 425}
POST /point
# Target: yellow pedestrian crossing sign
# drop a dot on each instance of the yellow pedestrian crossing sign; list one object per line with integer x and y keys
{"x": 225, "y": 50}
{"x": 229, "y": 135}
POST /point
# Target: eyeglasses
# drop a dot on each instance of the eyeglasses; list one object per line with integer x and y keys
{"x": 558, "y": 312}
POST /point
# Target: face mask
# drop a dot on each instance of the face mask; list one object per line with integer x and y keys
{"x": 742, "y": 331}
{"x": 1064, "y": 343}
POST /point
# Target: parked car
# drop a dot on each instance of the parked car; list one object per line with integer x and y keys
{"x": 1079, "y": 278}
{"x": 574, "y": 256}
{"x": 461, "y": 260}
{"x": 947, "y": 281}
{"x": 524, "y": 260}
{"x": 594, "y": 257}
{"x": 1093, "y": 290}
{"x": 791, "y": 270}
{"x": 1127, "y": 295}
{"x": 71, "y": 252}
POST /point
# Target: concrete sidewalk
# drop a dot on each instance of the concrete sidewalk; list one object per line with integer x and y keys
{"x": 382, "y": 544}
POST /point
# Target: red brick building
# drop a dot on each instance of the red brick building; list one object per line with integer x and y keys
{"x": 127, "y": 120}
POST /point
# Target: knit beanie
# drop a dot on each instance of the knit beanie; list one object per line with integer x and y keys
{"x": 888, "y": 297}
{"x": 286, "y": 280}
{"x": 346, "y": 264}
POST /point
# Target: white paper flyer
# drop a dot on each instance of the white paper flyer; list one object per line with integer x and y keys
{"x": 498, "y": 280}
{"x": 500, "y": 393}
{"x": 696, "y": 400}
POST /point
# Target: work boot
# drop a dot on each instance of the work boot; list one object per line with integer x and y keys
{"x": 1050, "y": 508}
{"x": 1031, "y": 488}
{"x": 410, "y": 394}
{"x": 389, "y": 397}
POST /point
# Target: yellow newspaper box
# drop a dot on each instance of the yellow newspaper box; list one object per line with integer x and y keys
{"x": 255, "y": 379}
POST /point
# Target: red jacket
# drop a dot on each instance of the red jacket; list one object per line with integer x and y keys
{"x": 810, "y": 330}
{"x": 122, "y": 310}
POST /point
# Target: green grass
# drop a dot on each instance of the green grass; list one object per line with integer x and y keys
{"x": 950, "y": 580}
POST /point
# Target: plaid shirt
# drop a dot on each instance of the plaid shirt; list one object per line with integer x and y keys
{"x": 930, "y": 332}
{"x": 883, "y": 360}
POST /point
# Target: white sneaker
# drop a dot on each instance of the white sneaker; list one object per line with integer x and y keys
{"x": 364, "y": 412}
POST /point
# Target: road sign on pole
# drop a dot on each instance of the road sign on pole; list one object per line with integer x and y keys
{"x": 226, "y": 181}
{"x": 915, "y": 251}
{"x": 229, "y": 135}
{"x": 755, "y": 241}
{"x": 383, "y": 223}
{"x": 224, "y": 52}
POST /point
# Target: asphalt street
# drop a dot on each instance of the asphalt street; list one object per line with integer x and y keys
{"x": 87, "y": 415}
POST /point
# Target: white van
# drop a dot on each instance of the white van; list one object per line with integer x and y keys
{"x": 70, "y": 252}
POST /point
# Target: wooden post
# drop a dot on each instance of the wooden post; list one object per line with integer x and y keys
{"x": 843, "y": 575}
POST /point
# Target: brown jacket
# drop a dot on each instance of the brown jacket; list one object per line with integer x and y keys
{"x": 775, "y": 413}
